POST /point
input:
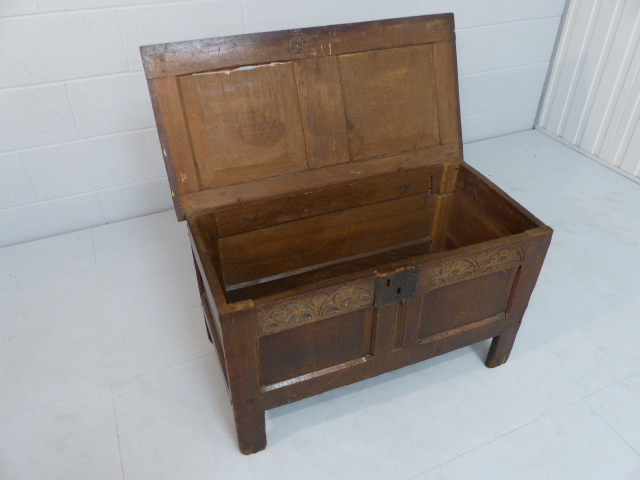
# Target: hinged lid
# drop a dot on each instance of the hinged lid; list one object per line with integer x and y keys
{"x": 255, "y": 116}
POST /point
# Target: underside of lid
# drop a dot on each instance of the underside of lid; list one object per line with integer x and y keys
{"x": 255, "y": 116}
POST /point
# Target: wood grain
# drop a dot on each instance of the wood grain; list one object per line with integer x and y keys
{"x": 244, "y": 124}
{"x": 330, "y": 379}
{"x": 465, "y": 302}
{"x": 470, "y": 224}
{"x": 442, "y": 217}
{"x": 243, "y": 372}
{"x": 181, "y": 58}
{"x": 441, "y": 221}
{"x": 382, "y": 118}
{"x": 446, "y": 68}
{"x": 174, "y": 136}
{"x": 212, "y": 199}
{"x": 320, "y": 304}
{"x": 293, "y": 247}
{"x": 491, "y": 198}
{"x": 260, "y": 254}
{"x": 313, "y": 346}
{"x": 449, "y": 177}
{"x": 338, "y": 271}
{"x": 324, "y": 120}
{"x": 524, "y": 283}
{"x": 341, "y": 196}
{"x": 309, "y": 109}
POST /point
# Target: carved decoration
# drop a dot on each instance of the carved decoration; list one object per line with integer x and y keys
{"x": 485, "y": 262}
{"x": 321, "y": 305}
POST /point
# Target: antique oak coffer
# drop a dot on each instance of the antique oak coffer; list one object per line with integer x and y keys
{"x": 336, "y": 230}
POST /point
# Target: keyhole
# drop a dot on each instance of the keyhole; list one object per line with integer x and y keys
{"x": 388, "y": 282}
{"x": 399, "y": 290}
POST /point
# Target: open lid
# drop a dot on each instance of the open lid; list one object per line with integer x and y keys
{"x": 248, "y": 117}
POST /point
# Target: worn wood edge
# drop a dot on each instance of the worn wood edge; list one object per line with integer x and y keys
{"x": 209, "y": 200}
{"x": 441, "y": 220}
{"x": 445, "y": 202}
{"x": 243, "y": 373}
{"x": 450, "y": 177}
{"x": 522, "y": 288}
{"x": 445, "y": 65}
{"x": 174, "y": 138}
{"x": 491, "y": 200}
{"x": 315, "y": 374}
{"x": 196, "y": 56}
{"x": 162, "y": 134}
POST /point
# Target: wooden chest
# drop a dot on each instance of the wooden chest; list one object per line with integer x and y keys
{"x": 336, "y": 230}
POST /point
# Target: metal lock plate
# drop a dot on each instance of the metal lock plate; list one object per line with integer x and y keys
{"x": 396, "y": 287}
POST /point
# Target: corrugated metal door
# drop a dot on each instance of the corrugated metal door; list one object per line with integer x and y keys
{"x": 593, "y": 95}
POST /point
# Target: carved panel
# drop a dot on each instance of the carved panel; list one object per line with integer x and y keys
{"x": 482, "y": 263}
{"x": 324, "y": 304}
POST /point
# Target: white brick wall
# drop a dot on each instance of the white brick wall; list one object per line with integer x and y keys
{"x": 78, "y": 147}
{"x": 111, "y": 104}
{"x": 46, "y": 48}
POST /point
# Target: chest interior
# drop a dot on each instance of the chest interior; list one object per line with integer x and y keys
{"x": 279, "y": 244}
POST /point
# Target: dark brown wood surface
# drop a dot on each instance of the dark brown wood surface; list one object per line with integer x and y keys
{"x": 337, "y": 234}
{"x": 381, "y": 118}
{"x": 174, "y": 136}
{"x": 322, "y": 109}
{"x": 464, "y": 295}
{"x": 262, "y": 130}
{"x": 314, "y": 346}
{"x": 266, "y": 188}
{"x": 469, "y": 223}
{"x": 500, "y": 327}
{"x": 446, "y": 69}
{"x": 243, "y": 124}
{"x": 448, "y": 307}
{"x": 302, "y": 244}
{"x": 333, "y": 198}
{"x": 180, "y": 58}
{"x": 364, "y": 265}
{"x": 492, "y": 199}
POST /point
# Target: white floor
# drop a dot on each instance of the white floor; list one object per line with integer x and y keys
{"x": 106, "y": 371}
